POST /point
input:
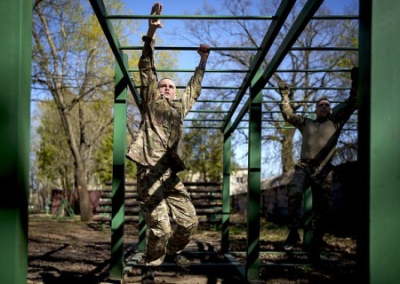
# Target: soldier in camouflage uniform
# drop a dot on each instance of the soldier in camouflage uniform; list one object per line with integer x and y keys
{"x": 155, "y": 151}
{"x": 319, "y": 138}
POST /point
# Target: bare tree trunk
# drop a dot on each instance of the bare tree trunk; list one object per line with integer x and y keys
{"x": 83, "y": 193}
{"x": 287, "y": 150}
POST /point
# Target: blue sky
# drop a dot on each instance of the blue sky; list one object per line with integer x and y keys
{"x": 181, "y": 7}
{"x": 188, "y": 60}
{"x": 176, "y": 7}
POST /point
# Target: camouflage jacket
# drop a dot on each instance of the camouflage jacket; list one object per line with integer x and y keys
{"x": 319, "y": 136}
{"x": 156, "y": 142}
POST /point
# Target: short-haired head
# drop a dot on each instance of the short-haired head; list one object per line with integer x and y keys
{"x": 167, "y": 88}
{"x": 323, "y": 107}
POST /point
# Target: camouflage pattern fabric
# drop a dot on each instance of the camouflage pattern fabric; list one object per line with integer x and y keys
{"x": 161, "y": 126}
{"x": 155, "y": 151}
{"x": 309, "y": 173}
{"x": 161, "y": 194}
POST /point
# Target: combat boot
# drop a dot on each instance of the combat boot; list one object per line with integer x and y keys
{"x": 179, "y": 260}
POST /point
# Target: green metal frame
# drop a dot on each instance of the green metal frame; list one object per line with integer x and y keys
{"x": 379, "y": 132}
{"x": 254, "y": 180}
{"x": 118, "y": 181}
{"x": 379, "y": 213}
{"x": 15, "y": 79}
{"x": 255, "y": 82}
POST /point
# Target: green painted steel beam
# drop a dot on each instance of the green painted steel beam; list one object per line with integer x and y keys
{"x": 265, "y": 88}
{"x": 323, "y": 48}
{"x": 254, "y": 182}
{"x": 205, "y": 120}
{"x": 188, "y": 17}
{"x": 215, "y": 101}
{"x": 309, "y": 9}
{"x": 246, "y": 127}
{"x": 203, "y": 127}
{"x": 15, "y": 81}
{"x": 335, "y": 17}
{"x": 298, "y": 101}
{"x": 379, "y": 124}
{"x": 191, "y": 48}
{"x": 142, "y": 232}
{"x": 308, "y": 216}
{"x": 222, "y": 17}
{"x": 118, "y": 175}
{"x": 282, "y": 13}
{"x": 241, "y": 48}
{"x": 208, "y": 111}
{"x": 226, "y": 209}
{"x": 101, "y": 13}
{"x": 247, "y": 71}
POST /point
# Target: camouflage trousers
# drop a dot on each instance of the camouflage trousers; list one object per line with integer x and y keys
{"x": 320, "y": 179}
{"x": 162, "y": 194}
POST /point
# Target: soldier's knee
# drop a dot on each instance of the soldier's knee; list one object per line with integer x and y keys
{"x": 191, "y": 226}
{"x": 195, "y": 224}
{"x": 163, "y": 233}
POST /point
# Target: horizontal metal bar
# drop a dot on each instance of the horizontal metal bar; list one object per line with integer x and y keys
{"x": 209, "y": 111}
{"x": 188, "y": 17}
{"x": 247, "y": 71}
{"x": 111, "y": 36}
{"x": 336, "y": 17}
{"x": 266, "y": 88}
{"x": 308, "y": 11}
{"x": 192, "y": 70}
{"x": 221, "y": 17}
{"x": 215, "y": 101}
{"x": 297, "y": 101}
{"x": 324, "y": 48}
{"x": 203, "y": 127}
{"x": 241, "y": 48}
{"x": 192, "y": 48}
{"x": 263, "y": 128}
{"x": 203, "y": 120}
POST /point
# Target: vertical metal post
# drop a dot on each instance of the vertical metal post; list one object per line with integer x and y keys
{"x": 379, "y": 126}
{"x": 15, "y": 79}
{"x": 254, "y": 182}
{"x": 118, "y": 182}
{"x": 142, "y": 232}
{"x": 226, "y": 189}
{"x": 308, "y": 216}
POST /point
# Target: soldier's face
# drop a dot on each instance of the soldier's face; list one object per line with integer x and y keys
{"x": 323, "y": 109}
{"x": 167, "y": 89}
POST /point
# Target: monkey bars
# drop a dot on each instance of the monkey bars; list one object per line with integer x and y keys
{"x": 379, "y": 165}
{"x": 255, "y": 80}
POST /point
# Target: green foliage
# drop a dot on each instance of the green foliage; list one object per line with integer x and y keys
{"x": 202, "y": 149}
{"x": 73, "y": 67}
{"x": 55, "y": 163}
{"x": 104, "y": 161}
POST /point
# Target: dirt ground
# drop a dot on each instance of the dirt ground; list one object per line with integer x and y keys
{"x": 70, "y": 251}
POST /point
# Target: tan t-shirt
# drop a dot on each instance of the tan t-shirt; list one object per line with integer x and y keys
{"x": 319, "y": 136}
